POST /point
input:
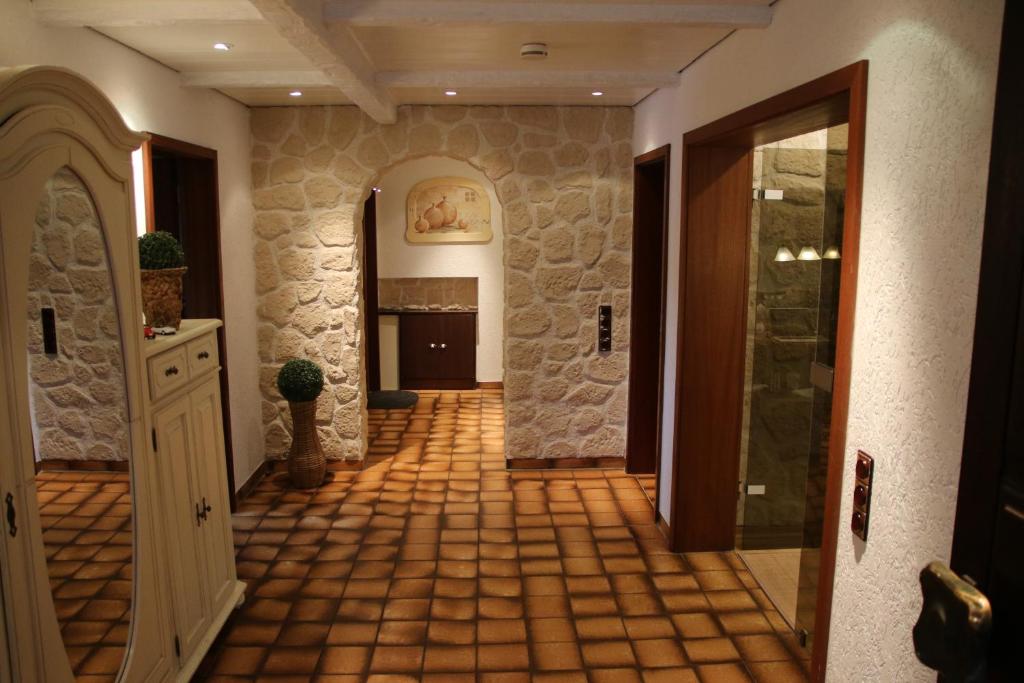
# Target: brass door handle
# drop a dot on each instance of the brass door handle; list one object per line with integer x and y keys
{"x": 952, "y": 633}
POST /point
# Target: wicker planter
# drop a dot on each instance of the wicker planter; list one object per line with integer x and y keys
{"x": 306, "y": 462}
{"x": 161, "y": 297}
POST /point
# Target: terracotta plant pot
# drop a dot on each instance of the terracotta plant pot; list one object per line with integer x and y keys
{"x": 306, "y": 462}
{"x": 161, "y": 297}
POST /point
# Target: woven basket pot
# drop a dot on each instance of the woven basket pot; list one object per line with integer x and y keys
{"x": 161, "y": 297}
{"x": 306, "y": 462}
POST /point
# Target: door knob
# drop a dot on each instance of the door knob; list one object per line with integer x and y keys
{"x": 444, "y": 346}
{"x": 433, "y": 345}
{"x": 952, "y": 633}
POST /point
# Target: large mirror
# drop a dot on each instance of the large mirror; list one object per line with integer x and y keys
{"x": 80, "y": 428}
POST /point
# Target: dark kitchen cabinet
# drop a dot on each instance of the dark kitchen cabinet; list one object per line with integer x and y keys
{"x": 437, "y": 350}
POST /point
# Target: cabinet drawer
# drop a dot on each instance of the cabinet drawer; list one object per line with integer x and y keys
{"x": 202, "y": 355}
{"x": 168, "y": 372}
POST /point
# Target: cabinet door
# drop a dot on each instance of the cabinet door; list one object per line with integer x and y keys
{"x": 459, "y": 354}
{"x": 212, "y": 490}
{"x": 419, "y": 349}
{"x": 185, "y": 553}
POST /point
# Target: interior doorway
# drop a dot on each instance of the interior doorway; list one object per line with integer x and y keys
{"x": 181, "y": 191}
{"x": 370, "y": 298}
{"x": 647, "y": 311}
{"x": 722, "y": 310}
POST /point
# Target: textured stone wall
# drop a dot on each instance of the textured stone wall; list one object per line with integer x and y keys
{"x": 428, "y": 293}
{"x": 563, "y": 177}
{"x": 77, "y": 395}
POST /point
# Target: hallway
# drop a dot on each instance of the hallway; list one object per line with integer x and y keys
{"x": 437, "y": 564}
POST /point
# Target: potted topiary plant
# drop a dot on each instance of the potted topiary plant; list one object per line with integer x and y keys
{"x": 163, "y": 265}
{"x": 300, "y": 382}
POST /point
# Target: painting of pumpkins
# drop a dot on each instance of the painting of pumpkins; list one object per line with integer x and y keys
{"x": 448, "y": 210}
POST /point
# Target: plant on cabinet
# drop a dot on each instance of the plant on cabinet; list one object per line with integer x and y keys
{"x": 300, "y": 382}
{"x": 162, "y": 261}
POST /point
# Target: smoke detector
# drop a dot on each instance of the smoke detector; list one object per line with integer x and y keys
{"x": 533, "y": 50}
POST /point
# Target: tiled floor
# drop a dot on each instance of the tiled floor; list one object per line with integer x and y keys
{"x": 437, "y": 564}
{"x": 87, "y": 535}
{"x": 778, "y": 573}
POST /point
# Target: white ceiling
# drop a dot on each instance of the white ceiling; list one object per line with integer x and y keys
{"x": 383, "y": 53}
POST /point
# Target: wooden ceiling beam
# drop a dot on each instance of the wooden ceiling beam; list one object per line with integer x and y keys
{"x": 473, "y": 12}
{"x": 334, "y": 52}
{"x": 221, "y": 80}
{"x": 527, "y": 78}
{"x": 118, "y": 13}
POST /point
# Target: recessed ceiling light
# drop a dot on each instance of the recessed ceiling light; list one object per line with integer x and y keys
{"x": 597, "y": 93}
{"x": 295, "y": 93}
{"x": 224, "y": 47}
{"x": 450, "y": 93}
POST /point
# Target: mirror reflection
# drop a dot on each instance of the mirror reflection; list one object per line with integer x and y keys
{"x": 80, "y": 428}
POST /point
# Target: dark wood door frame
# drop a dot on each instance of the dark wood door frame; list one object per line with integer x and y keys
{"x": 991, "y": 496}
{"x": 839, "y": 97}
{"x": 647, "y": 355}
{"x": 159, "y": 145}
{"x": 370, "y": 289}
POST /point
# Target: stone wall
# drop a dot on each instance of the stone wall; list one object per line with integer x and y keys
{"x": 563, "y": 177}
{"x": 78, "y": 400}
{"x": 427, "y": 293}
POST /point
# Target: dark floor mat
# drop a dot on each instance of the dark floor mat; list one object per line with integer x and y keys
{"x": 388, "y": 400}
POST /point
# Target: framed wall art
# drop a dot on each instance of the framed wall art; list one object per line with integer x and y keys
{"x": 448, "y": 210}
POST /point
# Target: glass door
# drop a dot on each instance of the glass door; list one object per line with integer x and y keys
{"x": 796, "y": 234}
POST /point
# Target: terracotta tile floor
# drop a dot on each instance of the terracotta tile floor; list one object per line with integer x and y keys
{"x": 87, "y": 536}
{"x": 436, "y": 564}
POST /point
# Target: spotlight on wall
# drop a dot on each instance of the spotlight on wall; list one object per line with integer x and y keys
{"x": 223, "y": 47}
{"x": 784, "y": 254}
{"x": 295, "y": 93}
{"x": 808, "y": 254}
{"x": 451, "y": 93}
{"x": 832, "y": 253}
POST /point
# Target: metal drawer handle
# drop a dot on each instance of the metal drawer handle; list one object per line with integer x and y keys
{"x": 173, "y": 370}
{"x": 199, "y": 516}
{"x": 206, "y": 507}
{"x": 203, "y": 355}
{"x": 433, "y": 345}
{"x": 444, "y": 346}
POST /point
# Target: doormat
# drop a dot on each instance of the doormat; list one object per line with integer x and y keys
{"x": 389, "y": 400}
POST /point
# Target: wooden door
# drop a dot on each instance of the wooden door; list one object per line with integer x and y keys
{"x": 647, "y": 310}
{"x": 458, "y": 351}
{"x": 175, "y": 458}
{"x": 710, "y": 410}
{"x": 208, "y": 460}
{"x": 988, "y": 541}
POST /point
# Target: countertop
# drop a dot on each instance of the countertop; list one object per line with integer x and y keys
{"x": 190, "y": 329}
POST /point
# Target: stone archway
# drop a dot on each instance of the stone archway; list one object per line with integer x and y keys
{"x": 563, "y": 177}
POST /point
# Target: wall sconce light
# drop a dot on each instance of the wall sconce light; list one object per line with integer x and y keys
{"x": 832, "y": 253}
{"x": 784, "y": 254}
{"x": 808, "y": 254}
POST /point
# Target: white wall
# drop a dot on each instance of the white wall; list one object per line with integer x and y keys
{"x": 930, "y": 103}
{"x": 150, "y": 98}
{"x": 398, "y": 258}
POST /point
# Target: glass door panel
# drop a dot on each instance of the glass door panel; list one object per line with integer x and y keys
{"x": 796, "y": 226}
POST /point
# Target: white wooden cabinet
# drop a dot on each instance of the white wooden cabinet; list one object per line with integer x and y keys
{"x": 188, "y": 449}
{"x": 184, "y": 584}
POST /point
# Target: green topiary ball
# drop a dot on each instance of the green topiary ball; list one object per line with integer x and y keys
{"x": 300, "y": 381}
{"x": 159, "y": 250}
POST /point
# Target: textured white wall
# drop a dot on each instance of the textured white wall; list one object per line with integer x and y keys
{"x": 930, "y": 102}
{"x": 398, "y": 258}
{"x": 150, "y": 97}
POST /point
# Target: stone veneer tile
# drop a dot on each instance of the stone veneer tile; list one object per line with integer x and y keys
{"x": 563, "y": 178}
